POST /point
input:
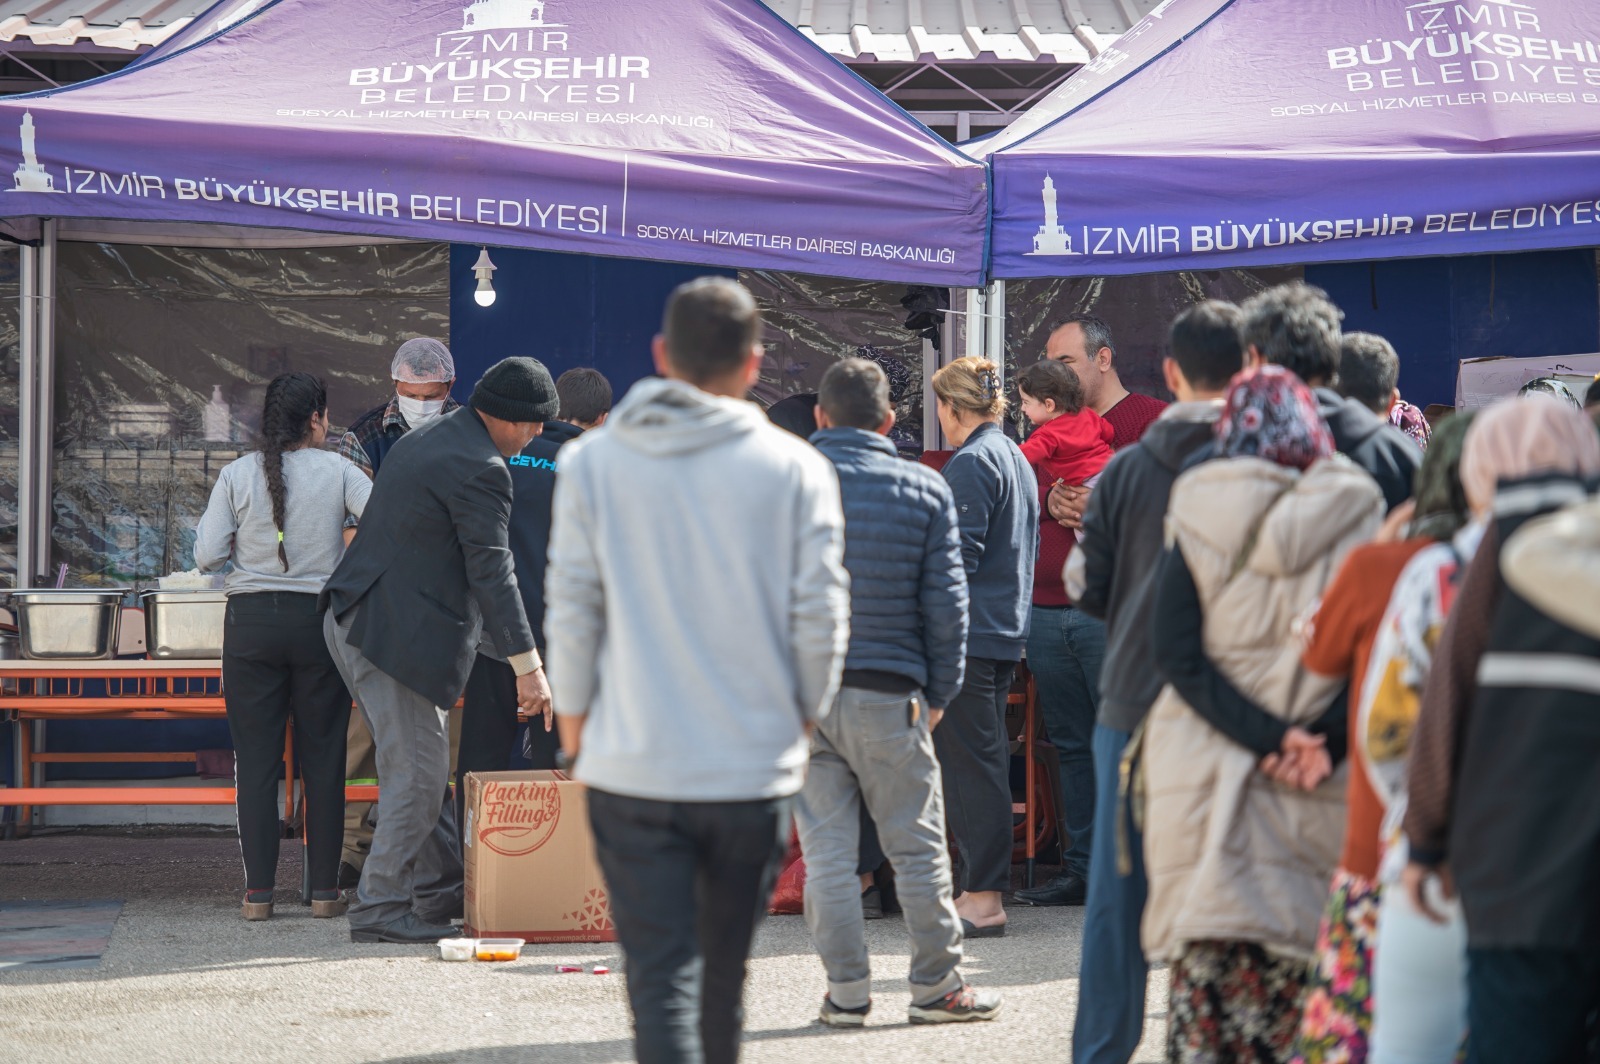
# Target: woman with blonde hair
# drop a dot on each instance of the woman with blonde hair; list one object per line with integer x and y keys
{"x": 997, "y": 506}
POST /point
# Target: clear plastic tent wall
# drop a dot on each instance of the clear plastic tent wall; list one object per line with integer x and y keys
{"x": 163, "y": 356}
{"x": 708, "y": 132}
{"x": 1227, "y": 133}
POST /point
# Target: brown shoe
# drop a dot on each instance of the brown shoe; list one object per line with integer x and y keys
{"x": 327, "y": 909}
{"x": 257, "y": 905}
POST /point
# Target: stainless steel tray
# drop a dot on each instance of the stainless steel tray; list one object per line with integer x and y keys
{"x": 74, "y": 624}
{"x": 184, "y": 624}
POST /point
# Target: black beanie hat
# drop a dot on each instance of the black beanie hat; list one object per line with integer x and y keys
{"x": 517, "y": 389}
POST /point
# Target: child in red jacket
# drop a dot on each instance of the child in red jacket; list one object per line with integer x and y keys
{"x": 1070, "y": 444}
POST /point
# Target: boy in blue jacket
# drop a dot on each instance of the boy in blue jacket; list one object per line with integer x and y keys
{"x": 908, "y": 634}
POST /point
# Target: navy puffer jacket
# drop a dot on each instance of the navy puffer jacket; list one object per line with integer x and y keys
{"x": 908, "y": 587}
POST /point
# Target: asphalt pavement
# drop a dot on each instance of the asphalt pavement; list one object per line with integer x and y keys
{"x": 185, "y": 979}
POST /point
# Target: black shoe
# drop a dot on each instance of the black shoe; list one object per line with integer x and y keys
{"x": 407, "y": 930}
{"x": 1066, "y": 889}
{"x": 872, "y": 904}
{"x": 834, "y": 1016}
{"x": 349, "y": 876}
{"x": 453, "y": 915}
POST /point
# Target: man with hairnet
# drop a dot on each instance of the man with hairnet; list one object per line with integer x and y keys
{"x": 423, "y": 372}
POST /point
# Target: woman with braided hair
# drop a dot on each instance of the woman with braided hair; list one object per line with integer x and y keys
{"x": 278, "y": 515}
{"x": 997, "y": 511}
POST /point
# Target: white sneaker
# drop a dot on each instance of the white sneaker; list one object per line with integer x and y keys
{"x": 962, "y": 1005}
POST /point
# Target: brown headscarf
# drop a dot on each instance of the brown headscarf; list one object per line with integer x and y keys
{"x": 1519, "y": 437}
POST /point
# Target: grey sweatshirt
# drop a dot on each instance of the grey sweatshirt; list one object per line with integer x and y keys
{"x": 321, "y": 488}
{"x": 698, "y": 606}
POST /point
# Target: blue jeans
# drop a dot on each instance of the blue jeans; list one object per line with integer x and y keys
{"x": 1111, "y": 976}
{"x": 1065, "y": 651}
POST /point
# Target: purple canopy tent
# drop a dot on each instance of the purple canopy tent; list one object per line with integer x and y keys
{"x": 704, "y": 133}
{"x": 1227, "y": 133}
{"x": 707, "y": 133}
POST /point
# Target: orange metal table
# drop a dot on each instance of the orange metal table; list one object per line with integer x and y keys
{"x": 34, "y": 692}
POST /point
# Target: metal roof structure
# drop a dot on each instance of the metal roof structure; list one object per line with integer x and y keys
{"x": 1055, "y": 31}
{"x": 943, "y": 31}
{"x": 113, "y": 24}
{"x": 964, "y": 67}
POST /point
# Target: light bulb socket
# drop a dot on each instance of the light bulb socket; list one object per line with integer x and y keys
{"x": 483, "y": 270}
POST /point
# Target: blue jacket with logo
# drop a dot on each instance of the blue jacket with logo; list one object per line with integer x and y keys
{"x": 908, "y": 587}
{"x": 533, "y": 487}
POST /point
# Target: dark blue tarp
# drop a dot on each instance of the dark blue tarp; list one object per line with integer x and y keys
{"x": 1439, "y": 311}
{"x": 565, "y": 310}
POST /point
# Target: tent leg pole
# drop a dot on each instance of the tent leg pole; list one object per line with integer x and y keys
{"x": 974, "y": 320}
{"x": 994, "y": 322}
{"x": 45, "y": 337}
{"x": 27, "y": 415}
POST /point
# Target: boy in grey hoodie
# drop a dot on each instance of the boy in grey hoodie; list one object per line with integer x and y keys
{"x": 698, "y": 615}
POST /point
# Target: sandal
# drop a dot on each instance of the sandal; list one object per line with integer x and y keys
{"x": 972, "y": 930}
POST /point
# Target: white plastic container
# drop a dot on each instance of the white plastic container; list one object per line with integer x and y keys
{"x": 457, "y": 949}
{"x": 499, "y": 949}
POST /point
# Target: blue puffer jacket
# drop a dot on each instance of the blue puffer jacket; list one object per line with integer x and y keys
{"x": 908, "y": 588}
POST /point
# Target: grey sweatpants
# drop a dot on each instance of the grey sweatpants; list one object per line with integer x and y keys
{"x": 869, "y": 749}
{"x": 415, "y": 862}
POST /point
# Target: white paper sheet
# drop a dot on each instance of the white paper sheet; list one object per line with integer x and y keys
{"x": 1483, "y": 380}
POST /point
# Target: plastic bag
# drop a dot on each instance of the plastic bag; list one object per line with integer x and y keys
{"x": 789, "y": 896}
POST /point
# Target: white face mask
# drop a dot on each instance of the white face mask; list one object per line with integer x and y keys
{"x": 418, "y": 412}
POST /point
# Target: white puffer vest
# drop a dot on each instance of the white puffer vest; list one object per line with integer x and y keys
{"x": 1230, "y": 854}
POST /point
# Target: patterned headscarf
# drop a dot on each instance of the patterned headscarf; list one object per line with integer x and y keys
{"x": 1441, "y": 500}
{"x": 1408, "y": 419}
{"x": 1518, "y": 437}
{"x": 1269, "y": 413}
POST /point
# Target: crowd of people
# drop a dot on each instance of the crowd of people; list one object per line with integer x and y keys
{"x": 1321, "y": 673}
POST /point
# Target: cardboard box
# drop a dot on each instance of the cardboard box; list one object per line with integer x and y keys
{"x": 531, "y": 870}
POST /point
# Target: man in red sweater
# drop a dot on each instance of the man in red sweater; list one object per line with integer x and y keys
{"x": 1066, "y": 646}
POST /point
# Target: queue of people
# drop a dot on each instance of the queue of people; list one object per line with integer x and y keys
{"x": 1322, "y": 699}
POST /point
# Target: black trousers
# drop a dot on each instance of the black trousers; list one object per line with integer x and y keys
{"x": 489, "y": 728}
{"x": 1531, "y": 1006}
{"x": 275, "y": 669}
{"x": 869, "y": 851}
{"x": 975, "y": 761}
{"x": 689, "y": 884}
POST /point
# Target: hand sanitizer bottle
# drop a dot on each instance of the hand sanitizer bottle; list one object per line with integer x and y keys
{"x": 217, "y": 426}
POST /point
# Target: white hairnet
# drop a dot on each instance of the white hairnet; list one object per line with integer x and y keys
{"x": 423, "y": 361}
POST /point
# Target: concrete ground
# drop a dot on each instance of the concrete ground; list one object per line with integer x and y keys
{"x": 185, "y": 979}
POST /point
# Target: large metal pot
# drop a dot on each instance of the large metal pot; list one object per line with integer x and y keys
{"x": 184, "y": 624}
{"x": 72, "y": 624}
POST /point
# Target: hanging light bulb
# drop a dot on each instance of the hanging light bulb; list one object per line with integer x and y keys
{"x": 483, "y": 270}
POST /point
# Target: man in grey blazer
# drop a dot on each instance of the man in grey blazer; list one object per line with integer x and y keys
{"x": 429, "y": 571}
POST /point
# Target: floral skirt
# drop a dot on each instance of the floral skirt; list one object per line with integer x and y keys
{"x": 1338, "y": 1007}
{"x": 1233, "y": 1002}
